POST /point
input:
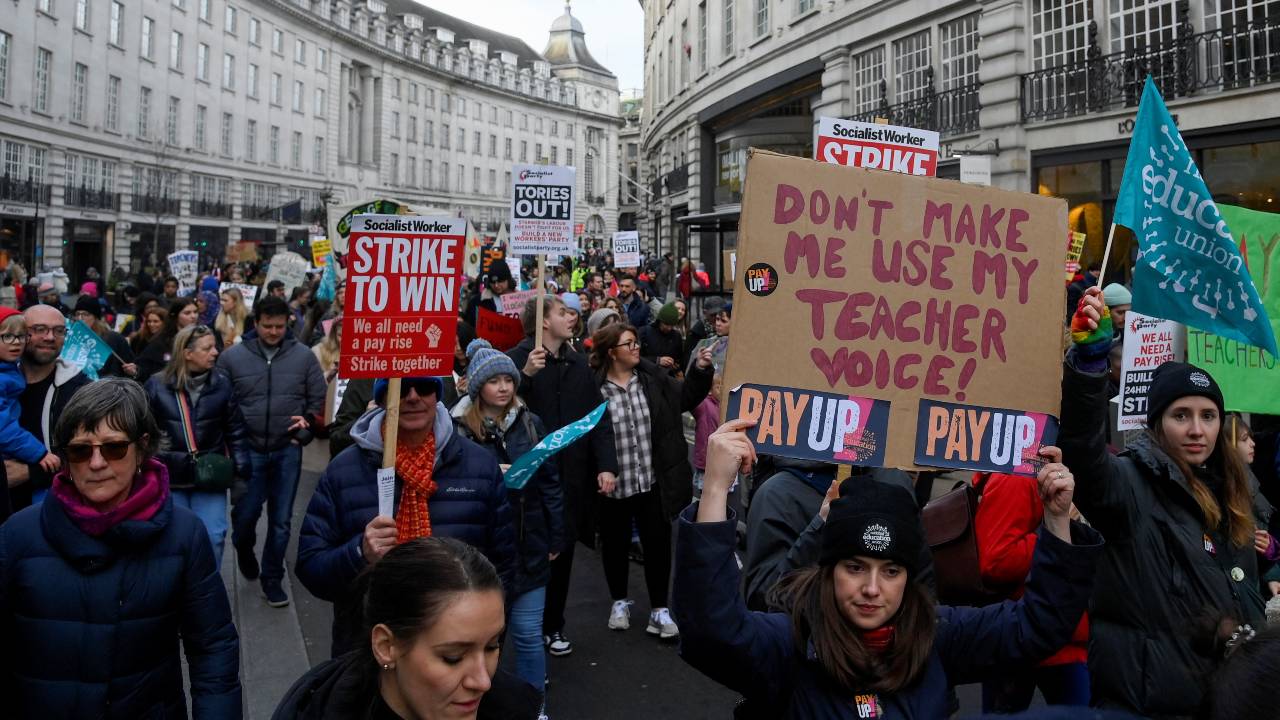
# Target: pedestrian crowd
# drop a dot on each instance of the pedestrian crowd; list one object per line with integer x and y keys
{"x": 1129, "y": 578}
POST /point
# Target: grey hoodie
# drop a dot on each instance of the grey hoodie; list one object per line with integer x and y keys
{"x": 367, "y": 430}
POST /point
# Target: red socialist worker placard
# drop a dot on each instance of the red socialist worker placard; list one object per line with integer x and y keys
{"x": 401, "y": 312}
{"x": 880, "y": 147}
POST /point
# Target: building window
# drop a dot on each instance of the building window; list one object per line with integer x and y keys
{"x": 506, "y": 184}
{"x": 395, "y": 125}
{"x": 229, "y": 71}
{"x": 317, "y": 155}
{"x": 475, "y": 180}
{"x": 321, "y": 101}
{"x": 79, "y": 89}
{"x": 426, "y": 173}
{"x": 910, "y": 65}
{"x": 175, "y": 50}
{"x": 82, "y": 14}
{"x": 475, "y": 143}
{"x": 117, "y": 24}
{"x": 251, "y": 81}
{"x": 493, "y": 182}
{"x": 413, "y": 128}
{"x": 299, "y": 92}
{"x": 1059, "y": 36}
{"x": 959, "y": 45}
{"x": 148, "y": 38}
{"x": 868, "y": 73}
{"x": 460, "y": 182}
{"x": 568, "y": 157}
{"x": 204, "y": 10}
{"x": 24, "y": 161}
{"x": 300, "y": 52}
{"x": 45, "y": 6}
{"x": 462, "y": 140}
{"x": 524, "y": 151}
{"x": 229, "y": 20}
{"x": 171, "y": 121}
{"x": 685, "y": 51}
{"x": 395, "y": 88}
{"x": 589, "y": 174}
{"x": 295, "y": 151}
{"x": 144, "y": 113}
{"x": 431, "y": 98}
{"x": 1135, "y": 26}
{"x": 273, "y": 145}
{"x": 413, "y": 93}
{"x": 113, "y": 104}
{"x": 429, "y": 132}
{"x": 702, "y": 36}
{"x": 276, "y": 91}
{"x": 762, "y": 17}
{"x": 202, "y": 116}
{"x": 225, "y": 140}
{"x": 444, "y": 176}
{"x": 255, "y": 32}
{"x": 462, "y": 107}
{"x": 493, "y": 146}
{"x": 322, "y": 59}
{"x": 444, "y": 136}
{"x": 202, "y": 62}
{"x": 251, "y": 140}
{"x": 277, "y": 41}
{"x": 727, "y": 22}
{"x": 506, "y": 149}
{"x": 411, "y": 171}
{"x": 537, "y": 153}
{"x": 508, "y": 119}
{"x": 555, "y": 155}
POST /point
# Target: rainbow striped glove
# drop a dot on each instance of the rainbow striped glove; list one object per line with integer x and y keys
{"x": 1094, "y": 344}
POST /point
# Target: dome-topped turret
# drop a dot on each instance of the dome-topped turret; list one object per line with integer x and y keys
{"x": 568, "y": 44}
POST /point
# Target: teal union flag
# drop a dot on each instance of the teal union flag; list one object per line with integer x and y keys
{"x": 1189, "y": 268}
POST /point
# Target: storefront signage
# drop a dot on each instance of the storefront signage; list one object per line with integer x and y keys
{"x": 901, "y": 289}
{"x": 542, "y": 202}
{"x": 881, "y": 147}
{"x": 401, "y": 310}
{"x": 22, "y": 210}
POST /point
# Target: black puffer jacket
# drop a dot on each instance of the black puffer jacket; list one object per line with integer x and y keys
{"x": 269, "y": 391}
{"x": 1156, "y": 577}
{"x": 219, "y": 426}
{"x": 668, "y": 398}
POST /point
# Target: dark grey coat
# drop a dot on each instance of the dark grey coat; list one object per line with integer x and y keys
{"x": 270, "y": 391}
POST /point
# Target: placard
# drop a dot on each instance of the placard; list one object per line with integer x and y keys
{"x": 879, "y": 285}
{"x": 185, "y": 266}
{"x": 512, "y": 304}
{"x": 542, "y": 203}
{"x": 626, "y": 249}
{"x": 248, "y": 292}
{"x": 813, "y": 425}
{"x": 242, "y": 251}
{"x": 1148, "y": 343}
{"x": 502, "y": 332}
{"x": 401, "y": 308}
{"x": 905, "y": 150}
{"x": 1075, "y": 247}
{"x": 340, "y": 218}
{"x": 289, "y": 268}
{"x": 320, "y": 249}
{"x": 984, "y": 439}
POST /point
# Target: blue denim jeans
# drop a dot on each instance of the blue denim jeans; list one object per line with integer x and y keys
{"x": 526, "y": 637}
{"x": 274, "y": 481}
{"x": 211, "y": 508}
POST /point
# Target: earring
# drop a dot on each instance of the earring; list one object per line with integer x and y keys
{"x": 386, "y": 666}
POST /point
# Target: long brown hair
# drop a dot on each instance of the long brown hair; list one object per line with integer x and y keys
{"x": 809, "y": 596}
{"x": 1227, "y": 464}
{"x": 605, "y": 339}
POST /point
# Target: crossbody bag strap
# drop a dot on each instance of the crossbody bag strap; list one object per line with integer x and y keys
{"x": 188, "y": 427}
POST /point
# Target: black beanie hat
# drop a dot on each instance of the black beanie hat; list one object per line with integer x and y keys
{"x": 498, "y": 271}
{"x": 1173, "y": 380}
{"x": 873, "y": 519}
{"x": 90, "y": 305}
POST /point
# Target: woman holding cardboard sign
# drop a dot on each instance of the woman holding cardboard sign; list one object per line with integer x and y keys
{"x": 860, "y": 628}
{"x": 1176, "y": 509}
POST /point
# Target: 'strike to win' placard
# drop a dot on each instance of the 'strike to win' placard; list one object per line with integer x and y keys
{"x": 401, "y": 311}
{"x": 869, "y": 288}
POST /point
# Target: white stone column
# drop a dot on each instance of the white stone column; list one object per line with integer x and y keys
{"x": 837, "y": 85}
{"x": 1003, "y": 53}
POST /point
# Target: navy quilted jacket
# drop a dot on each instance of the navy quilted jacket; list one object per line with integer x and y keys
{"x": 219, "y": 426}
{"x": 90, "y": 627}
{"x": 470, "y": 504}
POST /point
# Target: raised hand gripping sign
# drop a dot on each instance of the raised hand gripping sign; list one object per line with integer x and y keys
{"x": 401, "y": 312}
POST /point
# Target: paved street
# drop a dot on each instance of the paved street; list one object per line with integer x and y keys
{"x": 615, "y": 675}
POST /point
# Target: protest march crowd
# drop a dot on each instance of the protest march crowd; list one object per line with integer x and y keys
{"x": 1117, "y": 573}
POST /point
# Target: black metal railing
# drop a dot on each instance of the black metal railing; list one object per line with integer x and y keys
{"x": 211, "y": 208}
{"x": 678, "y": 179}
{"x": 24, "y": 191}
{"x": 90, "y": 198}
{"x": 259, "y": 212}
{"x": 950, "y": 112}
{"x": 158, "y": 204}
{"x": 1188, "y": 65}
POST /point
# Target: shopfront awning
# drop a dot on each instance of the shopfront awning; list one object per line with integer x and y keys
{"x": 712, "y": 221}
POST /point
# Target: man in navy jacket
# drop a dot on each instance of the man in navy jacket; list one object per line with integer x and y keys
{"x": 470, "y": 504}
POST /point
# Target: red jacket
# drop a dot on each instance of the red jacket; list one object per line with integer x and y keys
{"x": 1009, "y": 514}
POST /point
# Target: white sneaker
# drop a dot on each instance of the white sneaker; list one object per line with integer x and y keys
{"x": 620, "y": 615}
{"x": 661, "y": 624}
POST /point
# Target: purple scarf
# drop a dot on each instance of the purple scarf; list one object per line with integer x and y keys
{"x": 149, "y": 491}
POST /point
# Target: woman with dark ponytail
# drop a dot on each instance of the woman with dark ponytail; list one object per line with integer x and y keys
{"x": 433, "y": 622}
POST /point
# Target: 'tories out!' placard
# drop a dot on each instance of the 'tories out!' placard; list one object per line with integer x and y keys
{"x": 542, "y": 200}
{"x": 813, "y": 425}
{"x": 401, "y": 312}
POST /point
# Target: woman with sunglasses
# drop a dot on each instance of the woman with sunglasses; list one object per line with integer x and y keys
{"x": 195, "y": 407}
{"x": 103, "y": 582}
{"x": 655, "y": 480}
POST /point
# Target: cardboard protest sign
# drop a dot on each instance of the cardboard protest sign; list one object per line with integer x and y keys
{"x": 248, "y": 292}
{"x": 1075, "y": 247}
{"x": 502, "y": 332}
{"x": 513, "y": 302}
{"x": 1248, "y": 375}
{"x": 901, "y": 289}
{"x": 883, "y": 147}
{"x": 289, "y": 268}
{"x": 84, "y": 349}
{"x": 242, "y": 251}
{"x": 320, "y": 249}
{"x": 813, "y": 425}
{"x": 185, "y": 265}
{"x": 341, "y": 217}
{"x": 542, "y": 202}
{"x": 1148, "y": 343}
{"x": 400, "y": 317}
{"x": 626, "y": 249}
